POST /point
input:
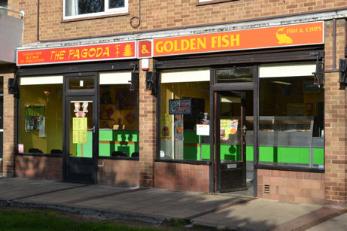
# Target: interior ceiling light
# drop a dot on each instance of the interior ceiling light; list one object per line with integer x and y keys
{"x": 283, "y": 83}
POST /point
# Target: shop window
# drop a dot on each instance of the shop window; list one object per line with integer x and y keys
{"x": 291, "y": 123}
{"x": 40, "y": 115}
{"x": 185, "y": 103}
{"x": 86, "y": 8}
{"x": 234, "y": 75}
{"x": 119, "y": 121}
{"x": 3, "y": 3}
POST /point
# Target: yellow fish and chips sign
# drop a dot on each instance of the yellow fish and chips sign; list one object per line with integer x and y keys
{"x": 270, "y": 37}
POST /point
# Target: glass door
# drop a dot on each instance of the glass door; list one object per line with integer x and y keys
{"x": 81, "y": 163}
{"x": 81, "y": 129}
{"x": 230, "y": 140}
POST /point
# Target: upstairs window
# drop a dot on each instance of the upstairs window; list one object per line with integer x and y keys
{"x": 3, "y": 3}
{"x": 90, "y": 8}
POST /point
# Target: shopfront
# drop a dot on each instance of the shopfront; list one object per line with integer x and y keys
{"x": 228, "y": 118}
{"x": 228, "y": 111}
{"x": 79, "y": 122}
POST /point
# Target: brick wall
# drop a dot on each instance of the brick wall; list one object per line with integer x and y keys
{"x": 119, "y": 172}
{"x": 335, "y": 117}
{"x": 8, "y": 123}
{"x": 39, "y": 167}
{"x": 181, "y": 177}
{"x": 290, "y": 186}
{"x": 156, "y": 15}
{"x": 147, "y": 130}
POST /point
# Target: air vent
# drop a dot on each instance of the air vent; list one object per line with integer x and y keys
{"x": 266, "y": 188}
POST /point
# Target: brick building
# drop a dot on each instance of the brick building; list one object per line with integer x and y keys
{"x": 200, "y": 95}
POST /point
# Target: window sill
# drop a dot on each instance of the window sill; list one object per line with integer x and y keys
{"x": 289, "y": 168}
{"x": 213, "y": 2}
{"x": 194, "y": 162}
{"x": 90, "y": 17}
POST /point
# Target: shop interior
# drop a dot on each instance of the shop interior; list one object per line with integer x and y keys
{"x": 41, "y": 121}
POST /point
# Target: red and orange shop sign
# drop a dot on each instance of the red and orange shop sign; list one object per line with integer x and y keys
{"x": 278, "y": 36}
{"x": 144, "y": 48}
{"x": 99, "y": 52}
{"x": 270, "y": 37}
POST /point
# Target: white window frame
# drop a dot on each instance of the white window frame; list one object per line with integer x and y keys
{"x": 107, "y": 11}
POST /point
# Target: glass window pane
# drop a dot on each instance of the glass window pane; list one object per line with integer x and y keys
{"x": 183, "y": 106}
{"x": 3, "y": 3}
{"x": 90, "y": 6}
{"x": 81, "y": 129}
{"x": 40, "y": 119}
{"x": 119, "y": 121}
{"x": 230, "y": 126}
{"x": 116, "y": 3}
{"x": 81, "y": 83}
{"x": 291, "y": 124}
{"x": 78, "y": 7}
{"x": 234, "y": 74}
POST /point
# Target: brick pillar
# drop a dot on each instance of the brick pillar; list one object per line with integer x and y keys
{"x": 8, "y": 135}
{"x": 335, "y": 117}
{"x": 147, "y": 132}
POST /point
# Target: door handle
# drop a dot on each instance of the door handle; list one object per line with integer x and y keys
{"x": 244, "y": 130}
{"x": 93, "y": 129}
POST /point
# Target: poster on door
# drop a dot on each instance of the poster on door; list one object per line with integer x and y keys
{"x": 228, "y": 127}
{"x": 79, "y": 130}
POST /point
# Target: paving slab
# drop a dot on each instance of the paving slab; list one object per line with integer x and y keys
{"x": 77, "y": 195}
{"x": 258, "y": 214}
{"x": 156, "y": 205}
{"x": 163, "y": 203}
{"x": 338, "y": 223}
{"x": 17, "y": 188}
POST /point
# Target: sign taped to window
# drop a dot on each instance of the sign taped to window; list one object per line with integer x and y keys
{"x": 79, "y": 130}
{"x": 203, "y": 129}
{"x": 180, "y": 106}
{"x": 228, "y": 127}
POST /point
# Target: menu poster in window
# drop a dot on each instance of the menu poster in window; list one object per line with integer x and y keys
{"x": 166, "y": 126}
{"x": 35, "y": 119}
{"x": 79, "y": 130}
{"x": 227, "y": 128}
{"x": 180, "y": 106}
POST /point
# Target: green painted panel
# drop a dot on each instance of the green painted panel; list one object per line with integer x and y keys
{"x": 230, "y": 152}
{"x": 106, "y": 135}
{"x": 318, "y": 157}
{"x": 266, "y": 154}
{"x": 249, "y": 153}
{"x": 105, "y": 149}
{"x": 86, "y": 150}
{"x": 126, "y": 136}
{"x": 269, "y": 154}
{"x": 190, "y": 137}
{"x": 205, "y": 151}
{"x": 292, "y": 155}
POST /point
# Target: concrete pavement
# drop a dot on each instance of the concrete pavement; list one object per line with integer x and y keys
{"x": 156, "y": 205}
{"x": 338, "y": 223}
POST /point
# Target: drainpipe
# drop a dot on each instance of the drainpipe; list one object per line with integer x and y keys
{"x": 38, "y": 21}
